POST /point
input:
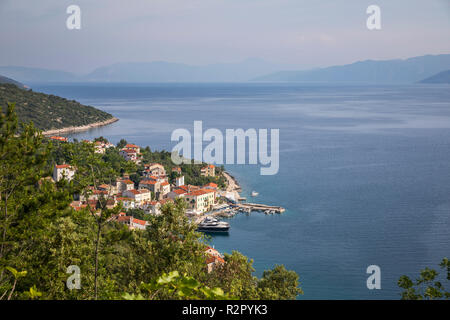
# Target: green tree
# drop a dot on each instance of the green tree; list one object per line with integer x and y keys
{"x": 428, "y": 286}
{"x": 122, "y": 143}
{"x": 91, "y": 171}
{"x": 27, "y": 197}
{"x": 235, "y": 277}
{"x": 279, "y": 284}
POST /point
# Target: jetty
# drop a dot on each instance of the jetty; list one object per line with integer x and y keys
{"x": 249, "y": 207}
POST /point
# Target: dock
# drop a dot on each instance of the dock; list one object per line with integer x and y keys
{"x": 249, "y": 207}
{"x": 233, "y": 209}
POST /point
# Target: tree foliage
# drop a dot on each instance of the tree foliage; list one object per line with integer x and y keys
{"x": 428, "y": 286}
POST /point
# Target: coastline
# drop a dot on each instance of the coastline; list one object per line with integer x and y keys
{"x": 233, "y": 186}
{"x": 80, "y": 128}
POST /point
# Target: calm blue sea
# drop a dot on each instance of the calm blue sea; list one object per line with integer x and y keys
{"x": 364, "y": 172}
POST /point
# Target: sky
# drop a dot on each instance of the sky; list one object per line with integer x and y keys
{"x": 300, "y": 33}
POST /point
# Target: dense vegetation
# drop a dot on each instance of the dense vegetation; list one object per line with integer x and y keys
{"x": 49, "y": 111}
{"x": 8, "y": 80}
{"x": 428, "y": 286}
{"x": 41, "y": 236}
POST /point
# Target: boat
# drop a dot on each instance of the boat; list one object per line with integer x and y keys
{"x": 254, "y": 193}
{"x": 213, "y": 225}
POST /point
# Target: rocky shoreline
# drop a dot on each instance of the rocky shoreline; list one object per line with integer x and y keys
{"x": 80, "y": 128}
{"x": 233, "y": 186}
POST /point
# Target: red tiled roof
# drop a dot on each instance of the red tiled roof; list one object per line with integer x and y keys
{"x": 130, "y": 145}
{"x": 62, "y": 166}
{"x": 58, "y": 138}
{"x": 199, "y": 192}
{"x": 164, "y": 201}
{"x": 212, "y": 259}
{"x": 147, "y": 182}
{"x": 189, "y": 187}
{"x": 127, "y": 181}
{"x": 124, "y": 218}
{"x": 211, "y": 184}
{"x": 141, "y": 222}
{"x": 134, "y": 191}
{"x": 165, "y": 183}
{"x": 124, "y": 199}
{"x": 129, "y": 150}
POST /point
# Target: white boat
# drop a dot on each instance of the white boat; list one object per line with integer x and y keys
{"x": 254, "y": 193}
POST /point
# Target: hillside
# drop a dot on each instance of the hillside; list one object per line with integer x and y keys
{"x": 8, "y": 80}
{"x": 49, "y": 111}
{"x": 387, "y": 71}
{"x": 441, "y": 77}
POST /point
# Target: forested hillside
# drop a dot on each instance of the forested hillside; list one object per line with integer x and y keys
{"x": 49, "y": 111}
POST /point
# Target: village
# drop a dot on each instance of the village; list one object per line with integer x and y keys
{"x": 154, "y": 190}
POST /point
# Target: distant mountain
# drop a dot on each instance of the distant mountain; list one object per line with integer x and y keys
{"x": 441, "y": 77}
{"x": 160, "y": 71}
{"x": 157, "y": 71}
{"x": 27, "y": 75}
{"x": 49, "y": 111}
{"x": 8, "y": 80}
{"x": 369, "y": 71}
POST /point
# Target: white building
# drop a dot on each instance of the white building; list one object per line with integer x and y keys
{"x": 63, "y": 171}
{"x": 164, "y": 188}
{"x": 179, "y": 181}
{"x": 139, "y": 196}
{"x": 126, "y": 184}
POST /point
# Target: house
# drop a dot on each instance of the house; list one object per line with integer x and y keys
{"x": 176, "y": 193}
{"x": 151, "y": 185}
{"x": 164, "y": 188}
{"x": 132, "y": 223}
{"x": 211, "y": 185}
{"x": 128, "y": 203}
{"x": 155, "y": 169}
{"x": 99, "y": 147}
{"x": 200, "y": 200}
{"x": 60, "y": 139}
{"x": 138, "y": 224}
{"x": 78, "y": 205}
{"x": 125, "y": 184}
{"x": 139, "y": 196}
{"x": 111, "y": 189}
{"x": 179, "y": 181}
{"x": 129, "y": 155}
{"x": 133, "y": 147}
{"x": 189, "y": 188}
{"x": 61, "y": 171}
{"x": 152, "y": 207}
{"x": 176, "y": 169}
{"x": 208, "y": 171}
{"x": 213, "y": 259}
{"x": 96, "y": 194}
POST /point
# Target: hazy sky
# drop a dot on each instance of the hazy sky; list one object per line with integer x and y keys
{"x": 306, "y": 33}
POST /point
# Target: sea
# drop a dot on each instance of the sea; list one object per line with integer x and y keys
{"x": 364, "y": 171}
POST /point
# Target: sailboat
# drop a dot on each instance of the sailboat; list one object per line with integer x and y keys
{"x": 254, "y": 193}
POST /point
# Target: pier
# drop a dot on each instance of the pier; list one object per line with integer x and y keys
{"x": 249, "y": 207}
